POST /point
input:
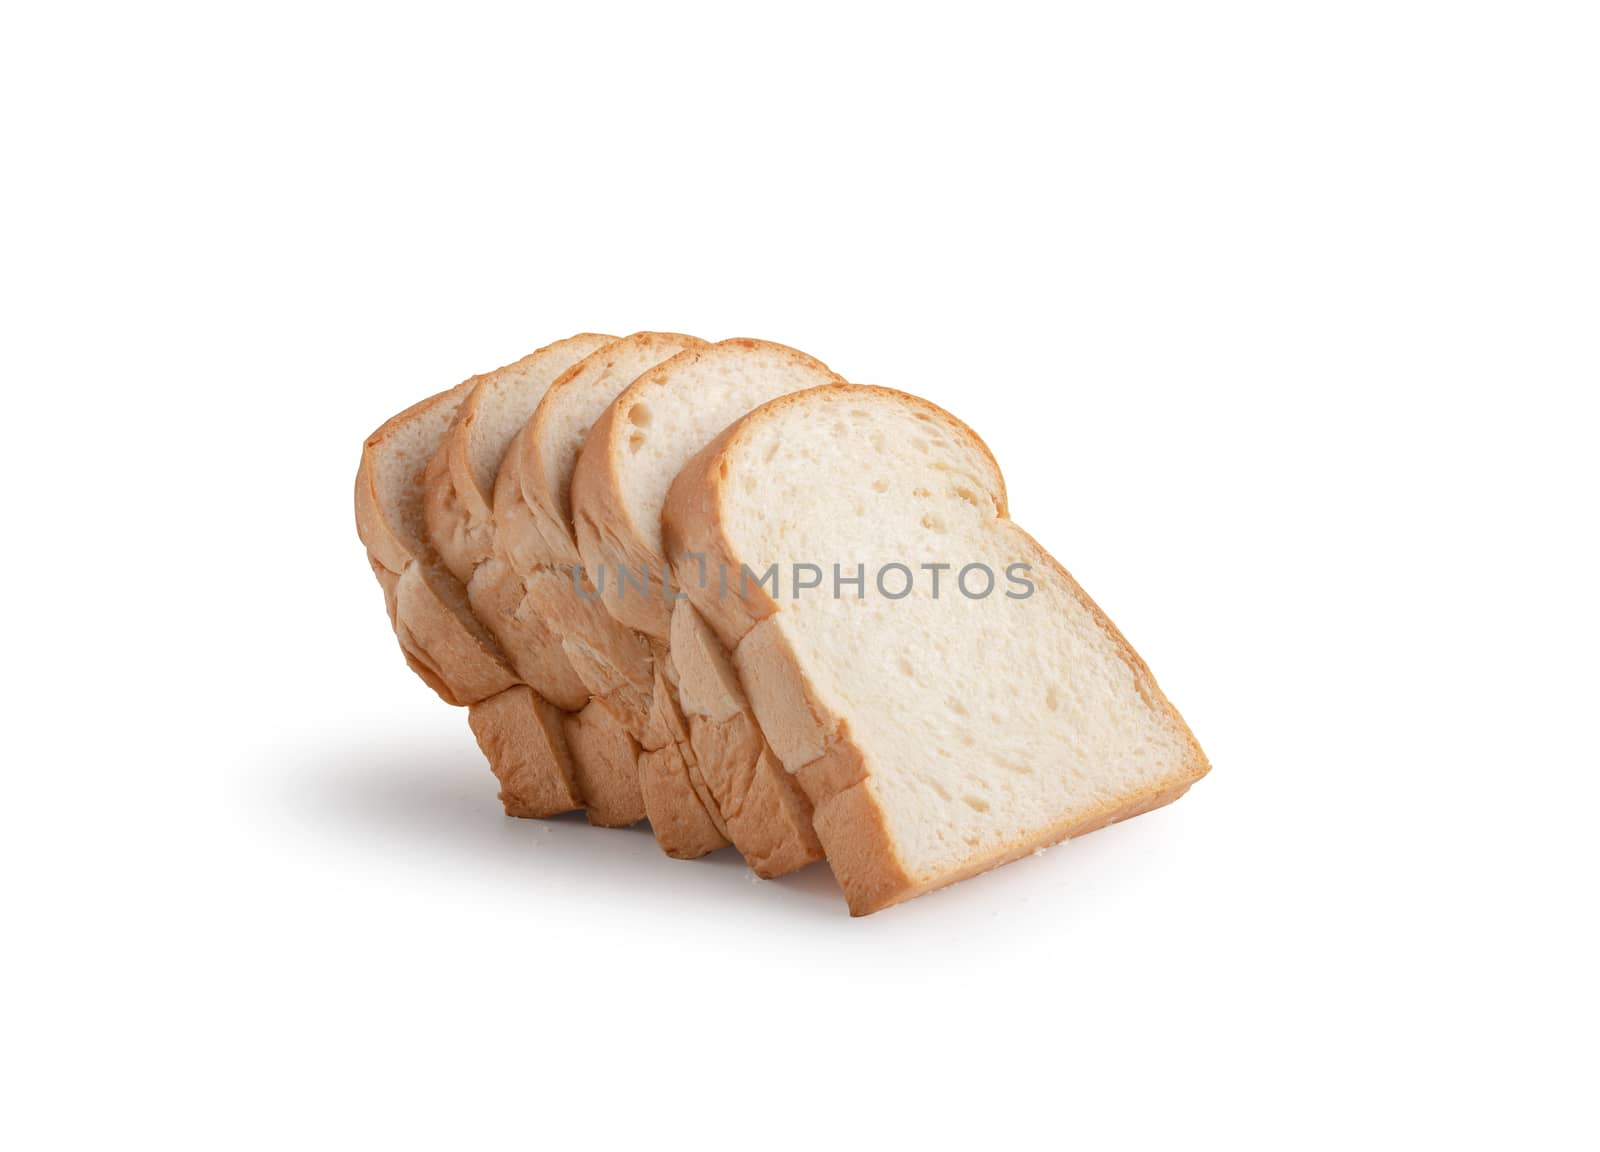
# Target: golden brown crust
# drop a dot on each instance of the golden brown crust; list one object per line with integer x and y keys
{"x": 526, "y": 636}
{"x": 681, "y": 824}
{"x": 525, "y": 741}
{"x": 435, "y": 626}
{"x": 605, "y": 765}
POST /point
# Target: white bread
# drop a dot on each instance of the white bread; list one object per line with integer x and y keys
{"x": 601, "y": 770}
{"x": 441, "y": 639}
{"x": 458, "y": 489}
{"x": 530, "y": 576}
{"x": 566, "y": 646}
{"x": 440, "y": 636}
{"x": 458, "y": 494}
{"x": 937, "y": 736}
{"x": 621, "y": 478}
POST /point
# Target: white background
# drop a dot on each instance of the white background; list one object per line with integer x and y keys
{"x": 1282, "y": 320}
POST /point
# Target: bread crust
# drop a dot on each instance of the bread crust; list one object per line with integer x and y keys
{"x": 814, "y": 738}
{"x": 524, "y": 739}
{"x": 605, "y": 766}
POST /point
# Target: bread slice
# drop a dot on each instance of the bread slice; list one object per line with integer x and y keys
{"x": 458, "y": 492}
{"x": 440, "y": 636}
{"x": 529, "y": 579}
{"x": 524, "y": 740}
{"x": 457, "y": 495}
{"x": 938, "y": 735}
{"x": 529, "y": 576}
{"x": 707, "y": 745}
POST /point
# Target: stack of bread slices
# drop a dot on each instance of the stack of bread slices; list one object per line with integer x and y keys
{"x": 715, "y": 587}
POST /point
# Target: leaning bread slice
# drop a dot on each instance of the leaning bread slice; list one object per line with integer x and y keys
{"x": 458, "y": 494}
{"x": 457, "y": 503}
{"x": 441, "y": 638}
{"x": 530, "y": 574}
{"x": 621, "y": 479}
{"x": 939, "y": 729}
{"x": 427, "y": 606}
{"x": 533, "y": 596}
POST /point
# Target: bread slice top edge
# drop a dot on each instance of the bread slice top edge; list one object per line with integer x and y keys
{"x": 548, "y": 449}
{"x": 458, "y": 490}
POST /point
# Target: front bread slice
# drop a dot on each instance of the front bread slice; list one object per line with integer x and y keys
{"x": 946, "y": 694}
{"x": 621, "y": 479}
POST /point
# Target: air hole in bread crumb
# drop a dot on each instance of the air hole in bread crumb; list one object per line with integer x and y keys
{"x": 636, "y": 442}
{"x": 905, "y": 666}
{"x": 921, "y": 493}
{"x": 772, "y": 451}
{"x": 1051, "y": 700}
{"x": 841, "y": 429}
{"x": 639, "y": 416}
{"x": 880, "y": 485}
{"x": 933, "y": 523}
{"x": 920, "y": 445}
{"x": 956, "y": 706}
{"x": 976, "y": 803}
{"x": 858, "y": 413}
{"x": 968, "y": 739}
{"x": 876, "y": 440}
{"x": 967, "y": 494}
